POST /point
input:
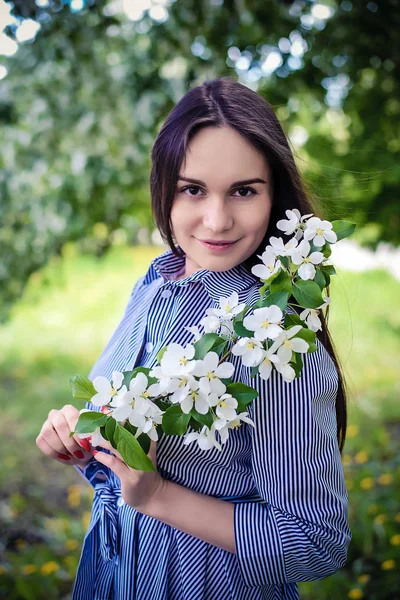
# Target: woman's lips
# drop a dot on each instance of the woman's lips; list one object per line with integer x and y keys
{"x": 217, "y": 247}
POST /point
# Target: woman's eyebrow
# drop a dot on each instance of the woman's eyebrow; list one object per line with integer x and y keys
{"x": 235, "y": 183}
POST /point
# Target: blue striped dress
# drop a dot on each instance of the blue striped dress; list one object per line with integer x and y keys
{"x": 284, "y": 476}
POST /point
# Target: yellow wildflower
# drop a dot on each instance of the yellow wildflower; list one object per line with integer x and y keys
{"x": 363, "y": 578}
{"x": 355, "y": 593}
{"x": 49, "y": 567}
{"x": 29, "y": 569}
{"x": 361, "y": 457}
{"x": 74, "y": 496}
{"x": 86, "y": 519}
{"x": 367, "y": 483}
{"x": 372, "y": 509}
{"x": 346, "y": 460}
{"x": 71, "y": 544}
{"x": 395, "y": 540}
{"x": 352, "y": 431}
{"x": 380, "y": 519}
{"x": 385, "y": 479}
{"x": 397, "y": 517}
{"x": 388, "y": 564}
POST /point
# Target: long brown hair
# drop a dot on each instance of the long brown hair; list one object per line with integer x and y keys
{"x": 223, "y": 102}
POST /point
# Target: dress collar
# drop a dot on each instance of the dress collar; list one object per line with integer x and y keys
{"x": 217, "y": 283}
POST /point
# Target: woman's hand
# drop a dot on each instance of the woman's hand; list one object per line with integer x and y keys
{"x": 54, "y": 441}
{"x": 137, "y": 487}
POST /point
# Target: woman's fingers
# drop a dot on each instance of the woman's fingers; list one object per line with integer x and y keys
{"x": 108, "y": 446}
{"x": 48, "y": 449}
{"x": 116, "y": 465}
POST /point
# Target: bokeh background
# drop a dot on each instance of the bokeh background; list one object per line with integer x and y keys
{"x": 84, "y": 88}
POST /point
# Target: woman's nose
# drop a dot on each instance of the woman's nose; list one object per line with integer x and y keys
{"x": 217, "y": 217}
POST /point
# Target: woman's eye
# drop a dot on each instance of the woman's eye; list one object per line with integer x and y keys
{"x": 246, "y": 189}
{"x": 190, "y": 187}
{"x": 195, "y": 188}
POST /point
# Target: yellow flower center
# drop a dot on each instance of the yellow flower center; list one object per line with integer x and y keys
{"x": 320, "y": 231}
{"x": 307, "y": 259}
{"x": 223, "y": 404}
{"x": 183, "y": 361}
{"x": 250, "y": 345}
{"x": 265, "y": 324}
{"x": 228, "y": 308}
{"x": 145, "y": 394}
{"x": 211, "y": 375}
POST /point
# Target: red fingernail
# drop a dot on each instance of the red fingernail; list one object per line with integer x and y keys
{"x": 64, "y": 457}
{"x": 85, "y": 445}
{"x": 79, "y": 454}
{"x": 94, "y": 451}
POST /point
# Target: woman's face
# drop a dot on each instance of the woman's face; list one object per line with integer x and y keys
{"x": 224, "y": 194}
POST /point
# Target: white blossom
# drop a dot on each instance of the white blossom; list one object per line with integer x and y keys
{"x": 278, "y": 246}
{"x": 250, "y": 349}
{"x": 225, "y": 406}
{"x": 177, "y": 360}
{"x": 293, "y": 223}
{"x": 265, "y": 322}
{"x": 230, "y": 306}
{"x": 205, "y": 438}
{"x": 196, "y": 332}
{"x": 211, "y": 373}
{"x": 266, "y": 364}
{"x": 301, "y": 257}
{"x": 223, "y": 426}
{"x": 286, "y": 344}
{"x": 107, "y": 391}
{"x": 135, "y": 400}
{"x": 147, "y": 424}
{"x": 211, "y": 323}
{"x": 310, "y": 316}
{"x": 270, "y": 266}
{"x": 193, "y": 395}
{"x": 319, "y": 231}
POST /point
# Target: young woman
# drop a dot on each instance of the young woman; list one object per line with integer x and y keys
{"x": 270, "y": 509}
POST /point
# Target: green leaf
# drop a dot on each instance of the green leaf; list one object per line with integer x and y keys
{"x": 161, "y": 354}
{"x": 82, "y": 387}
{"x": 204, "y": 345}
{"x": 307, "y": 293}
{"x": 206, "y": 419}
{"x": 175, "y": 422}
{"x": 110, "y": 430}
{"x": 284, "y": 261}
{"x": 278, "y": 298}
{"x": 326, "y": 250}
{"x": 221, "y": 347}
{"x": 292, "y": 319}
{"x": 253, "y": 371}
{"x": 297, "y": 363}
{"x": 131, "y": 451}
{"x": 320, "y": 279}
{"x": 244, "y": 394}
{"x": 343, "y": 229}
{"x": 283, "y": 283}
{"x": 136, "y": 370}
{"x": 306, "y": 334}
{"x": 328, "y": 269}
{"x": 241, "y": 330}
{"x": 89, "y": 421}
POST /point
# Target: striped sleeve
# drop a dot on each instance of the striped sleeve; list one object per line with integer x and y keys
{"x": 301, "y": 533}
{"x": 95, "y": 471}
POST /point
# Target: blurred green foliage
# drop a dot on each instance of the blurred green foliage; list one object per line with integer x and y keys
{"x": 59, "y": 327}
{"x": 82, "y": 103}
